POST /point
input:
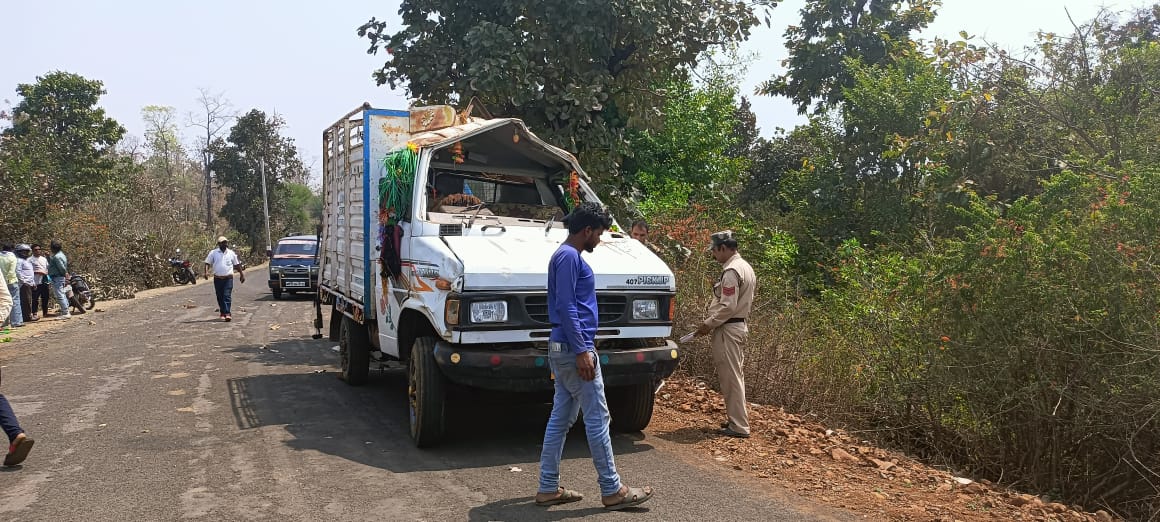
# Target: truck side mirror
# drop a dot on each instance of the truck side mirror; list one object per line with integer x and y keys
{"x": 269, "y": 253}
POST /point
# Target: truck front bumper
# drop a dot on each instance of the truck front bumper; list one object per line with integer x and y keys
{"x": 526, "y": 369}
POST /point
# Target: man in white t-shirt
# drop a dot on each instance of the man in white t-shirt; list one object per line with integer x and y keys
{"x": 224, "y": 262}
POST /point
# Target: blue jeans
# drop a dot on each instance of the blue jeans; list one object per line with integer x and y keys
{"x": 58, "y": 283}
{"x": 224, "y": 288}
{"x": 16, "y": 318}
{"x": 574, "y": 394}
{"x": 8, "y": 420}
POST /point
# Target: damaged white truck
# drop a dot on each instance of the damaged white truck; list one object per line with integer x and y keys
{"x": 436, "y": 235}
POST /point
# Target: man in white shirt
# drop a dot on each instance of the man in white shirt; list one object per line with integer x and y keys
{"x": 40, "y": 271}
{"x": 224, "y": 263}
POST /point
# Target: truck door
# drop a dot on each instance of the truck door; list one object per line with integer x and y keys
{"x": 394, "y": 292}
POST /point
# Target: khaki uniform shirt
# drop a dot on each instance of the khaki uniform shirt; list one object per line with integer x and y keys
{"x": 733, "y": 293}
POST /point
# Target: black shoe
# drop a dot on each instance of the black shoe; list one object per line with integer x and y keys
{"x": 728, "y": 432}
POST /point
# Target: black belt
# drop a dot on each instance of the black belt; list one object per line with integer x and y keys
{"x": 735, "y": 320}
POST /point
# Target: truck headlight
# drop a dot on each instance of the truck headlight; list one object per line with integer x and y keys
{"x": 489, "y": 311}
{"x": 643, "y": 309}
{"x": 275, "y": 270}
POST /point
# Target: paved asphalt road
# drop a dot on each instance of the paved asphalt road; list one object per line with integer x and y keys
{"x": 154, "y": 410}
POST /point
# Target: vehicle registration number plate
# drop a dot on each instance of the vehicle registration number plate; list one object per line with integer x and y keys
{"x": 296, "y": 284}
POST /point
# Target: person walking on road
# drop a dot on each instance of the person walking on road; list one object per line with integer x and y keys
{"x": 26, "y": 273}
{"x": 58, "y": 273}
{"x": 733, "y": 299}
{"x": 40, "y": 271}
{"x": 8, "y": 264}
{"x": 18, "y": 443}
{"x": 572, "y": 357}
{"x": 224, "y": 263}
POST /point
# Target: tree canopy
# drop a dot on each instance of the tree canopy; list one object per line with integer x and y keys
{"x": 255, "y": 138}
{"x": 579, "y": 72}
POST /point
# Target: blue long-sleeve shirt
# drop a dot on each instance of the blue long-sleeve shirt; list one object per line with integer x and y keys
{"x": 572, "y": 306}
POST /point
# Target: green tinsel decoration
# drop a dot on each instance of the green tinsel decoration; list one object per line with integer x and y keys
{"x": 396, "y": 186}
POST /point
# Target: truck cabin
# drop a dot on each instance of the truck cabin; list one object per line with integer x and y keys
{"x": 501, "y": 177}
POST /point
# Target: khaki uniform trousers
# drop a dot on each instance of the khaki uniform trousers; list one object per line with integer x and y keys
{"x": 729, "y": 360}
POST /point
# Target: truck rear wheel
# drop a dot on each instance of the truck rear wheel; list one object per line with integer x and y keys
{"x": 354, "y": 352}
{"x": 425, "y": 394}
{"x": 631, "y": 407}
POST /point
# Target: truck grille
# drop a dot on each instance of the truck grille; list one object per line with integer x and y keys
{"x": 295, "y": 270}
{"x": 610, "y": 308}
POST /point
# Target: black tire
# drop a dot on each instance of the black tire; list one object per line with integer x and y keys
{"x": 177, "y": 278}
{"x": 631, "y": 407}
{"x": 425, "y": 394}
{"x": 354, "y": 352}
{"x": 277, "y": 294}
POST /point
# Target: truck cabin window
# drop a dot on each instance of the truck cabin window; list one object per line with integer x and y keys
{"x": 513, "y": 181}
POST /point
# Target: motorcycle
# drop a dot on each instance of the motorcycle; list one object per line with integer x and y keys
{"x": 80, "y": 294}
{"x": 182, "y": 270}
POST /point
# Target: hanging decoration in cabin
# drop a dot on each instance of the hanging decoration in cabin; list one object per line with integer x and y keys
{"x": 572, "y": 192}
{"x": 457, "y": 156}
{"x": 395, "y": 191}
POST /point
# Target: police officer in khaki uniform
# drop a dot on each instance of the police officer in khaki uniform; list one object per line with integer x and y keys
{"x": 733, "y": 299}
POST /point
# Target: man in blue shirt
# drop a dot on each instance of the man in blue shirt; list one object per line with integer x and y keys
{"x": 572, "y": 355}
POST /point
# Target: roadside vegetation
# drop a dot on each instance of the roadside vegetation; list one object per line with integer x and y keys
{"x": 122, "y": 204}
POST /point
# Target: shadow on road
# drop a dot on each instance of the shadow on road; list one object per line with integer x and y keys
{"x": 686, "y": 435}
{"x": 369, "y": 424}
{"x": 289, "y": 353}
{"x": 286, "y": 298}
{"x": 525, "y": 508}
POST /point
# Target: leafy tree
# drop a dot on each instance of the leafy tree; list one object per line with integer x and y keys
{"x": 689, "y": 157}
{"x": 580, "y": 72}
{"x": 237, "y": 161}
{"x": 59, "y": 149}
{"x": 834, "y": 31}
{"x": 167, "y": 164}
{"x": 303, "y": 210}
{"x": 61, "y": 137}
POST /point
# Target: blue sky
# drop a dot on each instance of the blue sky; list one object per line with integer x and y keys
{"x": 304, "y": 60}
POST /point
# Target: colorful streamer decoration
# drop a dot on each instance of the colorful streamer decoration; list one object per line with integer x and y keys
{"x": 572, "y": 191}
{"x": 395, "y": 191}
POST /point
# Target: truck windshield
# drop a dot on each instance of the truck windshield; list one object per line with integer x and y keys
{"x": 296, "y": 248}
{"x": 505, "y": 195}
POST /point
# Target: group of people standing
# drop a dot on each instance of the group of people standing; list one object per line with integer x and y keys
{"x": 31, "y": 277}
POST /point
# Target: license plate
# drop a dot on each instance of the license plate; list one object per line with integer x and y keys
{"x": 295, "y": 284}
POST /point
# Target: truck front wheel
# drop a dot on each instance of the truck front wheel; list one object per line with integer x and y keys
{"x": 631, "y": 407}
{"x": 354, "y": 352}
{"x": 425, "y": 394}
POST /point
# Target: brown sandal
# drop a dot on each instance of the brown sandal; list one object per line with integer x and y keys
{"x": 633, "y": 497}
{"x": 566, "y": 496}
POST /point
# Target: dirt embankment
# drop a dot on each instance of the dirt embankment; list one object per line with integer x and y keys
{"x": 836, "y": 468}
